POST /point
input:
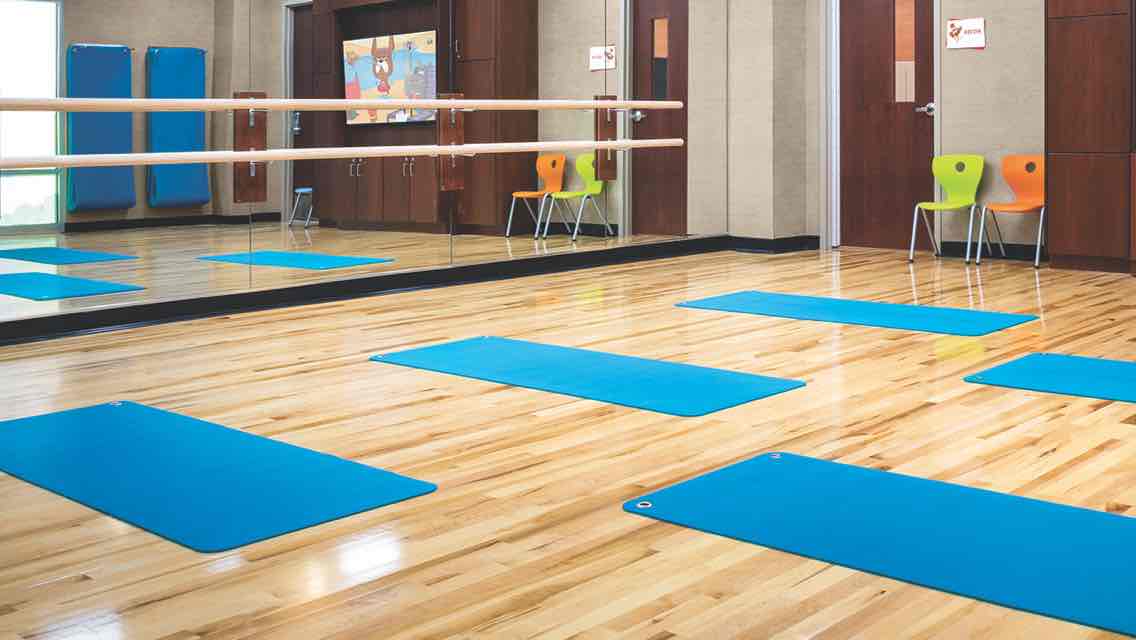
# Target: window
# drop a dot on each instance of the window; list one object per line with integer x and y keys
{"x": 29, "y": 68}
{"x": 905, "y": 50}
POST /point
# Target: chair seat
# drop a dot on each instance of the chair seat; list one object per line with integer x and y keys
{"x": 945, "y": 206}
{"x": 569, "y": 195}
{"x": 303, "y": 191}
{"x": 529, "y": 194}
{"x": 1016, "y": 207}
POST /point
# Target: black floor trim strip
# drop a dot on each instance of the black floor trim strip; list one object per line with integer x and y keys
{"x": 117, "y": 318}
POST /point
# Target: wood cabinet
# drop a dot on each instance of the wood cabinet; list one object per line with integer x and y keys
{"x": 384, "y": 193}
{"x": 1089, "y": 133}
{"x": 497, "y": 60}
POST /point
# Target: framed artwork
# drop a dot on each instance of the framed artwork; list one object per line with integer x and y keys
{"x": 390, "y": 67}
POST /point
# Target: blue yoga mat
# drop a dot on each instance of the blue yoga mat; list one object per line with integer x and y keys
{"x": 48, "y": 286}
{"x": 192, "y": 482}
{"x": 1045, "y": 558}
{"x": 1065, "y": 375}
{"x": 296, "y": 260}
{"x": 99, "y": 71}
{"x": 60, "y": 256}
{"x": 956, "y": 322}
{"x": 176, "y": 72}
{"x": 654, "y": 385}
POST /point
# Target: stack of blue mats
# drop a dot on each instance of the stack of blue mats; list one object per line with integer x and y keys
{"x": 176, "y": 72}
{"x": 99, "y": 71}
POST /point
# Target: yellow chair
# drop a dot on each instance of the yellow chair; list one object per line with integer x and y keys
{"x": 586, "y": 167}
{"x": 550, "y": 168}
{"x": 959, "y": 176}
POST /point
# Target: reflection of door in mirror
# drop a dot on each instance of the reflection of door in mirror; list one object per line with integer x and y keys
{"x": 660, "y": 68}
{"x": 303, "y": 87}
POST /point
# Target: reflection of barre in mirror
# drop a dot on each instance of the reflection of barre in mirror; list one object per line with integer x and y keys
{"x": 330, "y": 153}
{"x": 139, "y": 105}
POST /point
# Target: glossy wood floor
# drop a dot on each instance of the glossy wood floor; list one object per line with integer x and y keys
{"x": 525, "y": 537}
{"x": 169, "y": 269}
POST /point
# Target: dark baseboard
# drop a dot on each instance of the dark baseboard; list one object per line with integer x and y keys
{"x": 171, "y": 221}
{"x": 109, "y": 319}
{"x": 1023, "y": 252}
{"x": 775, "y": 245}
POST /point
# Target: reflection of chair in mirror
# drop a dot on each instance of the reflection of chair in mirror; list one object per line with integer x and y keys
{"x": 586, "y": 167}
{"x": 301, "y": 193}
{"x": 550, "y": 169}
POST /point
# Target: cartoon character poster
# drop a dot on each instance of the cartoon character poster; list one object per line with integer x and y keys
{"x": 391, "y": 67}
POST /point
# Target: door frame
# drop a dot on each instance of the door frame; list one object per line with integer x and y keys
{"x": 830, "y": 232}
{"x": 288, "y": 31}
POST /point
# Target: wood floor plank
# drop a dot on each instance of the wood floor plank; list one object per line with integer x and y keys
{"x": 525, "y": 537}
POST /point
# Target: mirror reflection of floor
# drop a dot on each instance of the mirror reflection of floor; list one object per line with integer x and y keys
{"x": 167, "y": 264}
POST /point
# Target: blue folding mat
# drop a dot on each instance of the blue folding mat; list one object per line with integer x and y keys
{"x": 1041, "y": 557}
{"x": 654, "y": 385}
{"x": 957, "y": 322}
{"x": 176, "y": 72}
{"x": 60, "y": 255}
{"x": 296, "y": 260}
{"x": 195, "y": 483}
{"x": 99, "y": 71}
{"x": 48, "y": 286}
{"x": 1065, "y": 375}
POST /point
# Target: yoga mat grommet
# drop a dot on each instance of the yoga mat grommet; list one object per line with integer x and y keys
{"x": 644, "y": 504}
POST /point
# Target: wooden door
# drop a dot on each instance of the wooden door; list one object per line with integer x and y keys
{"x": 338, "y": 202}
{"x": 396, "y": 189}
{"x": 886, "y": 72}
{"x": 478, "y": 204}
{"x": 475, "y": 34}
{"x": 369, "y": 191}
{"x": 303, "y": 87}
{"x": 423, "y": 206}
{"x": 660, "y": 73}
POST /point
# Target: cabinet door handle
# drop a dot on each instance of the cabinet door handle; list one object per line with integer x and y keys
{"x": 359, "y": 168}
{"x": 458, "y": 49}
{"x": 404, "y": 168}
{"x": 412, "y": 167}
{"x": 351, "y": 169}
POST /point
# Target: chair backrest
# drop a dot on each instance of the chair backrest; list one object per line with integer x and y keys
{"x": 959, "y": 176}
{"x": 586, "y": 167}
{"x": 550, "y": 168}
{"x": 1026, "y": 176}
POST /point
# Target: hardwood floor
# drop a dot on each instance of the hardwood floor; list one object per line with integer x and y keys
{"x": 168, "y": 268}
{"x": 525, "y": 536}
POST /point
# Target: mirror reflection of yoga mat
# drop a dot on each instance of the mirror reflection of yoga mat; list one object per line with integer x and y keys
{"x": 199, "y": 484}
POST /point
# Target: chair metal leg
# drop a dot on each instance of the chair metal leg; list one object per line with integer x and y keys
{"x": 931, "y": 234}
{"x": 1040, "y": 230}
{"x": 1001, "y": 243}
{"x": 970, "y": 231}
{"x": 981, "y": 234}
{"x": 914, "y": 228}
{"x": 295, "y": 208}
{"x": 607, "y": 224}
{"x": 509, "y": 224}
{"x": 579, "y": 217}
{"x": 311, "y": 209}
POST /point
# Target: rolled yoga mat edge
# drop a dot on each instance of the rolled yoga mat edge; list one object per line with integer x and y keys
{"x": 1068, "y": 375}
{"x": 235, "y": 488}
{"x": 687, "y": 391}
{"x": 1007, "y": 550}
{"x": 886, "y": 315}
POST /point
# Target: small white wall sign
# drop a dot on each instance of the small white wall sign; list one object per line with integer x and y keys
{"x": 602, "y": 58}
{"x": 966, "y": 33}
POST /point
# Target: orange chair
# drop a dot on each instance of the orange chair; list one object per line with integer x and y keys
{"x": 1026, "y": 176}
{"x": 550, "y": 168}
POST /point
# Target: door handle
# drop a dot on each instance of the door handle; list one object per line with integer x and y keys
{"x": 637, "y": 116}
{"x": 458, "y": 49}
{"x": 412, "y": 167}
{"x": 928, "y": 109}
{"x": 297, "y": 128}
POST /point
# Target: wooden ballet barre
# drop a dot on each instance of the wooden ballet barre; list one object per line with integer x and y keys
{"x": 327, "y": 153}
{"x": 143, "y": 105}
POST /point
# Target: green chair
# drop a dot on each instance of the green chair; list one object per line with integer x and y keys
{"x": 960, "y": 176}
{"x": 586, "y": 168}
